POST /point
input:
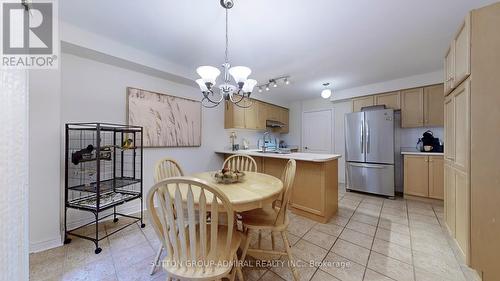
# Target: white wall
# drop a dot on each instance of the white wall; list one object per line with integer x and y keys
{"x": 94, "y": 91}
{"x": 45, "y": 197}
{"x": 339, "y": 109}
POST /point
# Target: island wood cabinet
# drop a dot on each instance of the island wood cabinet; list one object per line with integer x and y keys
{"x": 457, "y": 66}
{"x": 255, "y": 116}
{"x": 315, "y": 189}
{"x": 423, "y": 176}
{"x": 422, "y": 107}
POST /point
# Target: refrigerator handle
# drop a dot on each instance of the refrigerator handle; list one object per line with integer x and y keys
{"x": 361, "y": 143}
{"x": 367, "y": 137}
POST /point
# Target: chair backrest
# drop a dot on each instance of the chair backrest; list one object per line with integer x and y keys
{"x": 287, "y": 177}
{"x": 167, "y": 168}
{"x": 241, "y": 163}
{"x": 175, "y": 221}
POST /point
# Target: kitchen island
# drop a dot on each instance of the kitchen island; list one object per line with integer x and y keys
{"x": 315, "y": 191}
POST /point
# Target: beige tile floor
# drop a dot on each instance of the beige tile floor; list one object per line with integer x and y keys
{"x": 370, "y": 239}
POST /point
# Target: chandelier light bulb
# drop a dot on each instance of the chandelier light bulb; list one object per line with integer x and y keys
{"x": 202, "y": 85}
{"x": 267, "y": 88}
{"x": 240, "y": 73}
{"x": 249, "y": 85}
{"x": 208, "y": 73}
{"x": 287, "y": 82}
{"x": 275, "y": 84}
{"x": 260, "y": 89}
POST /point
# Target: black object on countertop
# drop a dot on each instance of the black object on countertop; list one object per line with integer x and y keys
{"x": 428, "y": 139}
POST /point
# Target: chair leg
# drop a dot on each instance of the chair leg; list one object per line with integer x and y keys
{"x": 273, "y": 244}
{"x": 156, "y": 260}
{"x": 240, "y": 274}
{"x": 260, "y": 240}
{"x": 290, "y": 257}
{"x": 246, "y": 246}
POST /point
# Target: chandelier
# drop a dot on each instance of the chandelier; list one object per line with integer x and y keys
{"x": 238, "y": 93}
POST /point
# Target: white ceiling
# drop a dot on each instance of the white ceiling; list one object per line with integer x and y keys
{"x": 347, "y": 43}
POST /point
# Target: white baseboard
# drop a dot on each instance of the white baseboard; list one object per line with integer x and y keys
{"x": 45, "y": 245}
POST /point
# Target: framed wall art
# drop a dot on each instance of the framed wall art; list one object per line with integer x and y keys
{"x": 168, "y": 121}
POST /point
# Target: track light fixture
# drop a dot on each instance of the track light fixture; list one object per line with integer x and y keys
{"x": 274, "y": 83}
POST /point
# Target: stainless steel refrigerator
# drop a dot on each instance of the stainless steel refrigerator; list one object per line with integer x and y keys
{"x": 370, "y": 151}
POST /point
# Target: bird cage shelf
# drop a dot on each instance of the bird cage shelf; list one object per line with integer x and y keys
{"x": 103, "y": 169}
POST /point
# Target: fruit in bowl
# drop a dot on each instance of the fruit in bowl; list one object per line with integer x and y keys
{"x": 227, "y": 176}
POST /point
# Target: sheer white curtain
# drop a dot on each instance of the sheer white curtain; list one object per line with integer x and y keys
{"x": 14, "y": 175}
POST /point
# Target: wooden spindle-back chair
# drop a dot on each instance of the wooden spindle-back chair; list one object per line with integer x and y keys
{"x": 196, "y": 250}
{"x": 272, "y": 219}
{"x": 240, "y": 162}
{"x": 165, "y": 168}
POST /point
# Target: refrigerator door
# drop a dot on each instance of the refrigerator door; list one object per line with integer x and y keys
{"x": 379, "y": 136}
{"x": 354, "y": 136}
{"x": 371, "y": 178}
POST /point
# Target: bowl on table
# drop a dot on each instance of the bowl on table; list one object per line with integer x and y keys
{"x": 227, "y": 176}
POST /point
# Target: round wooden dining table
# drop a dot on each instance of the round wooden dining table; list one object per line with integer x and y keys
{"x": 255, "y": 191}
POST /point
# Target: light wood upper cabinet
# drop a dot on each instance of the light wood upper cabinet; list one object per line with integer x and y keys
{"x": 462, "y": 45}
{"x": 255, "y": 116}
{"x": 390, "y": 100}
{"x": 234, "y": 116}
{"x": 436, "y": 177}
{"x": 433, "y": 106}
{"x": 361, "y": 102}
{"x": 252, "y": 116}
{"x": 449, "y": 69}
{"x": 412, "y": 108}
{"x": 457, "y": 131}
{"x": 457, "y": 59}
{"x": 449, "y": 129}
{"x": 461, "y": 122}
{"x": 416, "y": 175}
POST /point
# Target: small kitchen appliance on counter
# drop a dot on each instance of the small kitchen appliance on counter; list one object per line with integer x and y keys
{"x": 429, "y": 143}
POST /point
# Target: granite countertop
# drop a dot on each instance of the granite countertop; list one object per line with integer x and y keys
{"x": 299, "y": 156}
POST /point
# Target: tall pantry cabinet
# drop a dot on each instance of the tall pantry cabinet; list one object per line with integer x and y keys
{"x": 472, "y": 134}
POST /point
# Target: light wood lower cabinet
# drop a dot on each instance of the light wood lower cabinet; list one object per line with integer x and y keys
{"x": 423, "y": 176}
{"x": 436, "y": 177}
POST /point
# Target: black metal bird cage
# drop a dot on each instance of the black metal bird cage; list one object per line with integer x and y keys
{"x": 103, "y": 169}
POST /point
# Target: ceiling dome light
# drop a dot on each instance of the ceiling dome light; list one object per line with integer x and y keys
{"x": 327, "y": 92}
